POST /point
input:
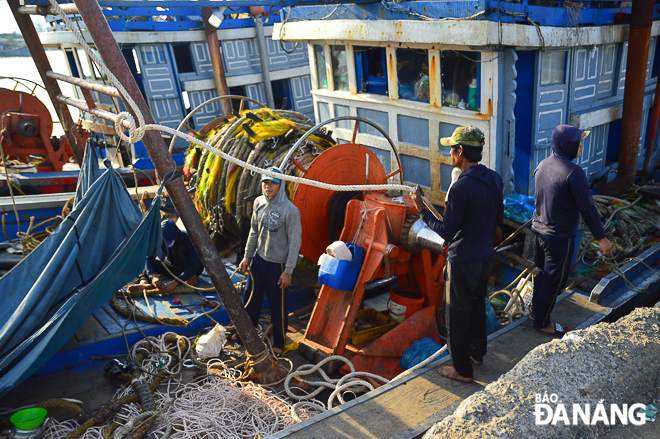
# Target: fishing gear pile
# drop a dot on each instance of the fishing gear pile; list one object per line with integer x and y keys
{"x": 632, "y": 224}
{"x": 225, "y": 192}
{"x": 157, "y": 404}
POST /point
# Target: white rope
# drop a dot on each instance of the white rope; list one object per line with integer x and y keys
{"x": 337, "y": 385}
{"x": 285, "y": 177}
{"x": 214, "y": 407}
{"x": 136, "y": 132}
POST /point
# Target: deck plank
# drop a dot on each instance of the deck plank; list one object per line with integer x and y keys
{"x": 106, "y": 320}
{"x": 90, "y": 330}
{"x": 118, "y": 318}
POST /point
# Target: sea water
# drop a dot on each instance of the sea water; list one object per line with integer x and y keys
{"x": 23, "y": 67}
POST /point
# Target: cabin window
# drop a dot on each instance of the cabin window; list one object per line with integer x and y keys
{"x": 239, "y": 90}
{"x": 84, "y": 64}
{"x": 546, "y": 3}
{"x": 282, "y": 94}
{"x": 184, "y": 62}
{"x": 321, "y": 74}
{"x": 73, "y": 65}
{"x": 370, "y": 70}
{"x": 553, "y": 67}
{"x": 339, "y": 67}
{"x": 460, "y": 79}
{"x": 413, "y": 74}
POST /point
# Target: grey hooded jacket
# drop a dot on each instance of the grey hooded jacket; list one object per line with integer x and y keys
{"x": 275, "y": 231}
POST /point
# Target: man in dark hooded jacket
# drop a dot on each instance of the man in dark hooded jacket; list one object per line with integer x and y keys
{"x": 474, "y": 208}
{"x": 182, "y": 261}
{"x": 561, "y": 194}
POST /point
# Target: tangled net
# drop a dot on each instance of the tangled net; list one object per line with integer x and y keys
{"x": 224, "y": 193}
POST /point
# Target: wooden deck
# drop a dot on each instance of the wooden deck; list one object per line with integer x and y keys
{"x": 102, "y": 335}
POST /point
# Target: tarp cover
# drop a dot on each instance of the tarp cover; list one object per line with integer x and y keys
{"x": 98, "y": 248}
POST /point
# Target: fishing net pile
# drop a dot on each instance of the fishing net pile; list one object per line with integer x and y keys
{"x": 157, "y": 404}
{"x": 224, "y": 192}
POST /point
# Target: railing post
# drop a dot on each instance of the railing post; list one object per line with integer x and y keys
{"x": 216, "y": 60}
{"x": 258, "y": 15}
{"x": 52, "y": 87}
{"x": 90, "y": 11}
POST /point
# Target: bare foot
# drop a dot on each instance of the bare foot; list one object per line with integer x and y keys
{"x": 450, "y": 372}
{"x": 554, "y": 329}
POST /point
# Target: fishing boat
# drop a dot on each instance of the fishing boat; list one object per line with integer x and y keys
{"x": 387, "y": 112}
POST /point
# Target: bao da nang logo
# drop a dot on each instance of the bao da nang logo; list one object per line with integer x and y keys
{"x": 549, "y": 410}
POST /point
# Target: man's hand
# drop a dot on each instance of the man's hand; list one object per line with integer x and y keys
{"x": 243, "y": 266}
{"x": 605, "y": 247}
{"x": 285, "y": 280}
{"x": 168, "y": 287}
{"x": 156, "y": 282}
{"x": 417, "y": 198}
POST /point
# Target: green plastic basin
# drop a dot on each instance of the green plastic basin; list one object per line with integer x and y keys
{"x": 28, "y": 419}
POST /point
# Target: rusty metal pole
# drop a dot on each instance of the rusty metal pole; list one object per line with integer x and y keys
{"x": 266, "y": 371}
{"x": 258, "y": 16}
{"x": 52, "y": 87}
{"x": 216, "y": 60}
{"x": 639, "y": 39}
{"x": 653, "y": 131}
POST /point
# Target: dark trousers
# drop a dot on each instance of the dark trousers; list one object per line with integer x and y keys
{"x": 466, "y": 285}
{"x": 552, "y": 257}
{"x": 263, "y": 277}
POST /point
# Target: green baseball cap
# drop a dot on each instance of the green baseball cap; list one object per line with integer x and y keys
{"x": 466, "y": 135}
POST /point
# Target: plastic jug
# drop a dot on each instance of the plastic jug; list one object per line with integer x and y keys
{"x": 472, "y": 95}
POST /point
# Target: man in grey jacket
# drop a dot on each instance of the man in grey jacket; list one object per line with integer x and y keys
{"x": 271, "y": 254}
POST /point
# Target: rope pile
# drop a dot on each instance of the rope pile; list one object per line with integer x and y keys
{"x": 216, "y": 404}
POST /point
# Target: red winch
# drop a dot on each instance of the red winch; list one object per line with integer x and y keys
{"x": 396, "y": 243}
{"x": 26, "y": 130}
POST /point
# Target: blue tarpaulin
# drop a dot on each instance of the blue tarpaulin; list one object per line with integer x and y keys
{"x": 100, "y": 246}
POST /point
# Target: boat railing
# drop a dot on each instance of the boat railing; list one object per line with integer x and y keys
{"x": 159, "y": 19}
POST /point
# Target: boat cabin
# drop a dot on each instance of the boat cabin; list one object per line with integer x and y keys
{"x": 515, "y": 70}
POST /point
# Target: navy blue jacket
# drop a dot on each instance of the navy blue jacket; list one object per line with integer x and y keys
{"x": 474, "y": 208}
{"x": 561, "y": 190}
{"x": 181, "y": 254}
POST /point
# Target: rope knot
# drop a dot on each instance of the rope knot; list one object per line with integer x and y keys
{"x": 135, "y": 133}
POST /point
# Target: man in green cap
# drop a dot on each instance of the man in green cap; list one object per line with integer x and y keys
{"x": 474, "y": 208}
